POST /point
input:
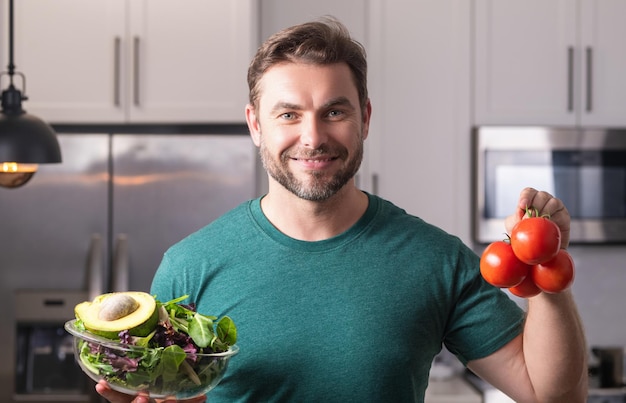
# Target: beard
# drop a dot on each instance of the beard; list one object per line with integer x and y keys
{"x": 318, "y": 186}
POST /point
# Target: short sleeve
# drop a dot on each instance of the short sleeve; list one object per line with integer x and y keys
{"x": 483, "y": 318}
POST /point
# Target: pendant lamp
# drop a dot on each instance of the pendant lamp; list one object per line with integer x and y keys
{"x": 25, "y": 140}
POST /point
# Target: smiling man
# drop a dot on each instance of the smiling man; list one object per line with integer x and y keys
{"x": 317, "y": 125}
{"x": 339, "y": 295}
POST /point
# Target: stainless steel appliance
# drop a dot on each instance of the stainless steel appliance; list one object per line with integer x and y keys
{"x": 586, "y": 168}
{"x": 101, "y": 220}
{"x": 44, "y": 359}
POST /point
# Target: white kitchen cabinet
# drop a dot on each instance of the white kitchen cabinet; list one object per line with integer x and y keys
{"x": 419, "y": 142}
{"x": 135, "y": 61}
{"x": 602, "y": 55}
{"x": 556, "y": 62}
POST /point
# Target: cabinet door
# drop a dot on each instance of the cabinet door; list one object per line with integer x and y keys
{"x": 525, "y": 70}
{"x": 603, "y": 57}
{"x": 67, "y": 51}
{"x": 420, "y": 89}
{"x": 189, "y": 59}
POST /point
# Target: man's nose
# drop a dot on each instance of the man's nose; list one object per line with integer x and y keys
{"x": 313, "y": 133}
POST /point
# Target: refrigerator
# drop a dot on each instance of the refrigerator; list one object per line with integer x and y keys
{"x": 100, "y": 221}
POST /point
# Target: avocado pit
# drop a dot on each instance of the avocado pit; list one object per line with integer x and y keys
{"x": 117, "y": 306}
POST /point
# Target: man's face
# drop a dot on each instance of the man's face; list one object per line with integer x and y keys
{"x": 309, "y": 127}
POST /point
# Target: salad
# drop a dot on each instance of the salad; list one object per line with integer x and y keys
{"x": 185, "y": 355}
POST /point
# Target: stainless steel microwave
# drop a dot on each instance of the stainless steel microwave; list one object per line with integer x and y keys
{"x": 585, "y": 168}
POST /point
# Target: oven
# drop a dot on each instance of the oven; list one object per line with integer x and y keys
{"x": 45, "y": 367}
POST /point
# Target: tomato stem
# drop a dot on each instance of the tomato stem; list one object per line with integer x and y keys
{"x": 534, "y": 212}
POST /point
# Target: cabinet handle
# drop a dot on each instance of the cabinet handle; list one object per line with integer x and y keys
{"x": 116, "y": 70}
{"x": 589, "y": 79}
{"x": 570, "y": 79}
{"x": 136, "y": 71}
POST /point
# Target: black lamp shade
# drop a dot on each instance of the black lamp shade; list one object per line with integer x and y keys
{"x": 27, "y": 139}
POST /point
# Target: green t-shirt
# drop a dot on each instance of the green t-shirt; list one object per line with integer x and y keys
{"x": 355, "y": 318}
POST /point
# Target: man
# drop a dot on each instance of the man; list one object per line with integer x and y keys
{"x": 339, "y": 295}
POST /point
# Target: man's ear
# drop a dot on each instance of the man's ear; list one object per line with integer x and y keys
{"x": 253, "y": 125}
{"x": 367, "y": 116}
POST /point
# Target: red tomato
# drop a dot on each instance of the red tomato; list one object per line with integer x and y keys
{"x": 535, "y": 240}
{"x": 555, "y": 275}
{"x": 526, "y": 289}
{"x": 500, "y": 267}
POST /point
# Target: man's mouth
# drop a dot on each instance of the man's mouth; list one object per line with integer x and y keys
{"x": 316, "y": 163}
{"x": 314, "y": 160}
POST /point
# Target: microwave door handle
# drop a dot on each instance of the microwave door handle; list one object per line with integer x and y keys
{"x": 94, "y": 267}
{"x": 119, "y": 281}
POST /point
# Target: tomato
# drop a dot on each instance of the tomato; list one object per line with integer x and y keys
{"x": 500, "y": 267}
{"x": 526, "y": 289}
{"x": 535, "y": 240}
{"x": 555, "y": 275}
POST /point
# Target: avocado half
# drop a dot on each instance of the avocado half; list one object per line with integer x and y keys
{"x": 109, "y": 314}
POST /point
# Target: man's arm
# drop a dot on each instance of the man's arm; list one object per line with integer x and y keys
{"x": 548, "y": 361}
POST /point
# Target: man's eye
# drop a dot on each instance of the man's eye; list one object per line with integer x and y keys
{"x": 287, "y": 116}
{"x": 335, "y": 113}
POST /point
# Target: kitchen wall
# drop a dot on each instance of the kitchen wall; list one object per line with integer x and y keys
{"x": 599, "y": 292}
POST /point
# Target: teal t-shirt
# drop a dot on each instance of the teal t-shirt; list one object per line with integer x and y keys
{"x": 355, "y": 318}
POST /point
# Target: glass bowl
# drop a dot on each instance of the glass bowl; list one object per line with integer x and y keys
{"x": 158, "y": 372}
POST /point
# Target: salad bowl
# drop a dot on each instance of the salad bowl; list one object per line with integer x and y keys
{"x": 160, "y": 372}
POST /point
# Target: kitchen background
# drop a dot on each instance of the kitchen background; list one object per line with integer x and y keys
{"x": 438, "y": 68}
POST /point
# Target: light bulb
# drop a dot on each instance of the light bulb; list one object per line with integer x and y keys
{"x": 15, "y": 174}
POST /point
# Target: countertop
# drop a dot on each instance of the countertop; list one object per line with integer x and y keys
{"x": 451, "y": 390}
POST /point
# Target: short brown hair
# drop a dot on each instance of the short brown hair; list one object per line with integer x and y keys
{"x": 325, "y": 41}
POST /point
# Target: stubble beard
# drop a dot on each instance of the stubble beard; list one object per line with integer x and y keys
{"x": 317, "y": 187}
